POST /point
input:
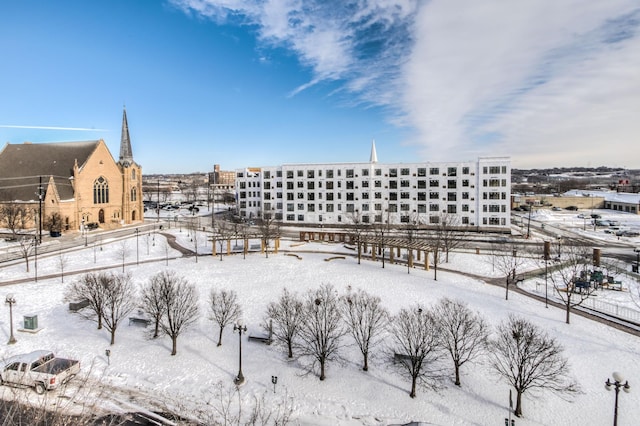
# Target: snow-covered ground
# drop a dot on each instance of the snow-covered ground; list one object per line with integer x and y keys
{"x": 349, "y": 396}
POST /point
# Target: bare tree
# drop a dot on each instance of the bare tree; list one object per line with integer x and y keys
{"x": 53, "y": 222}
{"x": 415, "y": 346}
{"x": 450, "y": 234}
{"x": 92, "y": 288}
{"x": 507, "y": 258}
{"x": 193, "y": 224}
{"x": 572, "y": 277}
{"x": 357, "y": 229}
{"x": 180, "y": 300}
{"x": 62, "y": 263}
{"x": 224, "y": 309}
{"x": 322, "y": 327}
{"x": 120, "y": 300}
{"x": 463, "y": 333}
{"x": 284, "y": 318}
{"x": 529, "y": 359}
{"x": 14, "y": 216}
{"x": 436, "y": 246}
{"x": 151, "y": 300}
{"x": 27, "y": 245}
{"x": 122, "y": 252}
{"x": 269, "y": 229}
{"x": 366, "y": 319}
{"x": 222, "y": 236}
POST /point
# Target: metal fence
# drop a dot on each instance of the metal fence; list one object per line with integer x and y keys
{"x": 621, "y": 312}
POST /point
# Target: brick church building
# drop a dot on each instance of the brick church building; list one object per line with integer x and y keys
{"x": 79, "y": 181}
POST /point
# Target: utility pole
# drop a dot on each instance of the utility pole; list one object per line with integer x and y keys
{"x": 40, "y": 210}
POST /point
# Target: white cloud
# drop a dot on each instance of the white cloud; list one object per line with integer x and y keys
{"x": 548, "y": 82}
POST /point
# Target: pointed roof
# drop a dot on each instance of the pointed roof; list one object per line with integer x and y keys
{"x": 21, "y": 165}
{"x": 374, "y": 156}
{"x": 126, "y": 154}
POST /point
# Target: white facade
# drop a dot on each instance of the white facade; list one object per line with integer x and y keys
{"x": 477, "y": 193}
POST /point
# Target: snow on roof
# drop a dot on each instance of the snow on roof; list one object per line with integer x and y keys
{"x": 611, "y": 196}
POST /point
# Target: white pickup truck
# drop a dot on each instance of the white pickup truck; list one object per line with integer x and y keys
{"x": 40, "y": 370}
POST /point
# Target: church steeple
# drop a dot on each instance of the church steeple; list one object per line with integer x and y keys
{"x": 374, "y": 156}
{"x": 126, "y": 155}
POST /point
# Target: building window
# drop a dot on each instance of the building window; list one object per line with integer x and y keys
{"x": 100, "y": 191}
{"x": 134, "y": 194}
{"x": 365, "y": 172}
{"x": 404, "y": 171}
{"x": 434, "y": 171}
{"x": 451, "y": 208}
{"x": 433, "y": 183}
{"x": 310, "y": 174}
{"x": 422, "y": 171}
{"x": 329, "y": 174}
{"x": 452, "y": 171}
{"x": 393, "y": 172}
{"x": 349, "y": 173}
{"x": 133, "y": 174}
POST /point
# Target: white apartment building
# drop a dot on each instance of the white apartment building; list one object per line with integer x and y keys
{"x": 478, "y": 193}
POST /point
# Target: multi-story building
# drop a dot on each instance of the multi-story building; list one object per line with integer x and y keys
{"x": 477, "y": 193}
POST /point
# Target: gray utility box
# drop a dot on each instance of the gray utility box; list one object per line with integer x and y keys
{"x": 30, "y": 322}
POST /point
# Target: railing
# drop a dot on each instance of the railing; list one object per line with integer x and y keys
{"x": 621, "y": 312}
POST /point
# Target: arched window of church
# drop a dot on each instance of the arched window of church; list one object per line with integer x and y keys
{"x": 133, "y": 174}
{"x": 100, "y": 191}
{"x": 134, "y": 194}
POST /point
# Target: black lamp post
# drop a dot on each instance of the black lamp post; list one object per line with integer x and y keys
{"x": 10, "y": 300}
{"x": 240, "y": 329}
{"x": 559, "y": 237}
{"x": 637, "y": 268}
{"x": 616, "y": 385}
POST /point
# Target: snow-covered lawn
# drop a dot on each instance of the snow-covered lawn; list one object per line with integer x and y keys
{"x": 348, "y": 396}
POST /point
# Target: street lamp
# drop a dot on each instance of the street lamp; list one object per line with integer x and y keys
{"x": 617, "y": 384}
{"x": 559, "y": 237}
{"x": 637, "y": 266}
{"x": 11, "y": 300}
{"x": 240, "y": 328}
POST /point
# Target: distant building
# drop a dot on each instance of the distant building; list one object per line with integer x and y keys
{"x": 478, "y": 193}
{"x": 80, "y": 181}
{"x": 613, "y": 200}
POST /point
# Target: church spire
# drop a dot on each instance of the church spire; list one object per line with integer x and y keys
{"x": 126, "y": 155}
{"x": 374, "y": 156}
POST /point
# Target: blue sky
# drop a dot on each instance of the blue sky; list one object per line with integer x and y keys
{"x": 264, "y": 82}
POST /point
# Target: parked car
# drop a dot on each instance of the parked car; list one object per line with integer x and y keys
{"x": 572, "y": 208}
{"x": 40, "y": 370}
{"x": 596, "y": 216}
{"x": 556, "y": 209}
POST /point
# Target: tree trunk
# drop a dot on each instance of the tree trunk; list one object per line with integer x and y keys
{"x": 156, "y": 331}
{"x": 322, "y": 376}
{"x": 290, "y": 347}
{"x": 457, "y": 368}
{"x": 174, "y": 348}
{"x": 220, "y": 338}
{"x": 518, "y": 411}
{"x": 113, "y": 336}
{"x": 506, "y": 286}
{"x": 413, "y": 387}
{"x": 568, "y": 312}
{"x": 366, "y": 361}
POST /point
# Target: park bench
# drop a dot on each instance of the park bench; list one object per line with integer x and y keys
{"x": 263, "y": 338}
{"x": 401, "y": 357}
{"x": 139, "y": 321}
{"x": 76, "y": 306}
